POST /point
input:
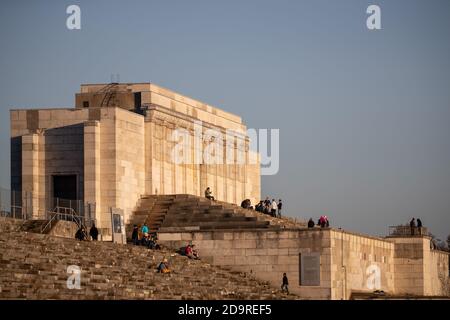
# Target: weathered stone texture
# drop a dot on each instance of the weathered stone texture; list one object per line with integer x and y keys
{"x": 120, "y": 152}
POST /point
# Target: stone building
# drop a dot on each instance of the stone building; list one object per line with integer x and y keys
{"x": 326, "y": 263}
{"x": 152, "y": 152}
{"x": 118, "y": 144}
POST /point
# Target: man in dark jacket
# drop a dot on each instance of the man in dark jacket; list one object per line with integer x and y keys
{"x": 419, "y": 226}
{"x": 81, "y": 234}
{"x": 311, "y": 223}
{"x": 412, "y": 225}
{"x": 93, "y": 232}
{"x": 280, "y": 206}
{"x": 135, "y": 235}
{"x": 284, "y": 286}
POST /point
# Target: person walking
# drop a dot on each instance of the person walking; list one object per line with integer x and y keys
{"x": 285, "y": 284}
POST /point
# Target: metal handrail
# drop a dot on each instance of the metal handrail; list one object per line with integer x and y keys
{"x": 57, "y": 215}
{"x": 406, "y": 230}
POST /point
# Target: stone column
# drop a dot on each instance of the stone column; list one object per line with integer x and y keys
{"x": 149, "y": 155}
{"x": 92, "y": 169}
{"x": 32, "y": 170}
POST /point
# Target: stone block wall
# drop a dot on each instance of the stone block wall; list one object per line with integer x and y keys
{"x": 63, "y": 155}
{"x": 360, "y": 263}
{"x": 349, "y": 262}
{"x": 409, "y": 265}
{"x": 265, "y": 254}
{"x": 437, "y": 271}
{"x": 119, "y": 155}
{"x": 419, "y": 269}
{"x": 130, "y": 159}
{"x": 229, "y": 182}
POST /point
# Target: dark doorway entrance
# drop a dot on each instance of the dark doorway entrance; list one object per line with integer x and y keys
{"x": 64, "y": 188}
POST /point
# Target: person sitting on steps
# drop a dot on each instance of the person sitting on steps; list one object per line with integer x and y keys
{"x": 247, "y": 204}
{"x": 163, "y": 266}
{"x": 81, "y": 234}
{"x": 144, "y": 229}
{"x": 208, "y": 194}
{"x": 260, "y": 206}
{"x": 190, "y": 253}
{"x": 195, "y": 252}
{"x": 152, "y": 244}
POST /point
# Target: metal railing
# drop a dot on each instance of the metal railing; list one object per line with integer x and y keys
{"x": 15, "y": 204}
{"x": 406, "y": 230}
{"x": 67, "y": 215}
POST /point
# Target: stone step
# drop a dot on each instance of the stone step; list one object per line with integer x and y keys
{"x": 219, "y": 225}
{"x": 207, "y": 218}
{"x": 34, "y": 267}
{"x": 176, "y": 210}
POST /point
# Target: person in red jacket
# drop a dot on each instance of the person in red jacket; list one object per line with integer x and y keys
{"x": 190, "y": 252}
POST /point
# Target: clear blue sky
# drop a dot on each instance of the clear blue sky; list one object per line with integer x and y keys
{"x": 363, "y": 115}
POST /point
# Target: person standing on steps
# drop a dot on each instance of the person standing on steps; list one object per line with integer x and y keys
{"x": 274, "y": 208}
{"x": 280, "y": 205}
{"x": 285, "y": 284}
{"x": 208, "y": 194}
{"x": 419, "y": 226}
{"x": 412, "y": 225}
{"x": 93, "y": 232}
{"x": 135, "y": 235}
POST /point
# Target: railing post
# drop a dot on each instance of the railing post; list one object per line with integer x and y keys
{"x": 12, "y": 204}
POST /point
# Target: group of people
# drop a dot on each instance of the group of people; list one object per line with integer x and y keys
{"x": 414, "y": 226}
{"x": 147, "y": 239}
{"x": 82, "y": 234}
{"x": 271, "y": 208}
{"x": 323, "y": 222}
{"x": 188, "y": 251}
{"x": 268, "y": 207}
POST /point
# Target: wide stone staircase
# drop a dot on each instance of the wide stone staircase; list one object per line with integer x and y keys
{"x": 34, "y": 266}
{"x": 60, "y": 228}
{"x": 188, "y": 212}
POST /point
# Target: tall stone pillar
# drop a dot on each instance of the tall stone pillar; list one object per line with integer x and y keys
{"x": 92, "y": 169}
{"x": 32, "y": 176}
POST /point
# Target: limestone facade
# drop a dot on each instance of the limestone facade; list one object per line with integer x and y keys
{"x": 348, "y": 262}
{"x": 119, "y": 143}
